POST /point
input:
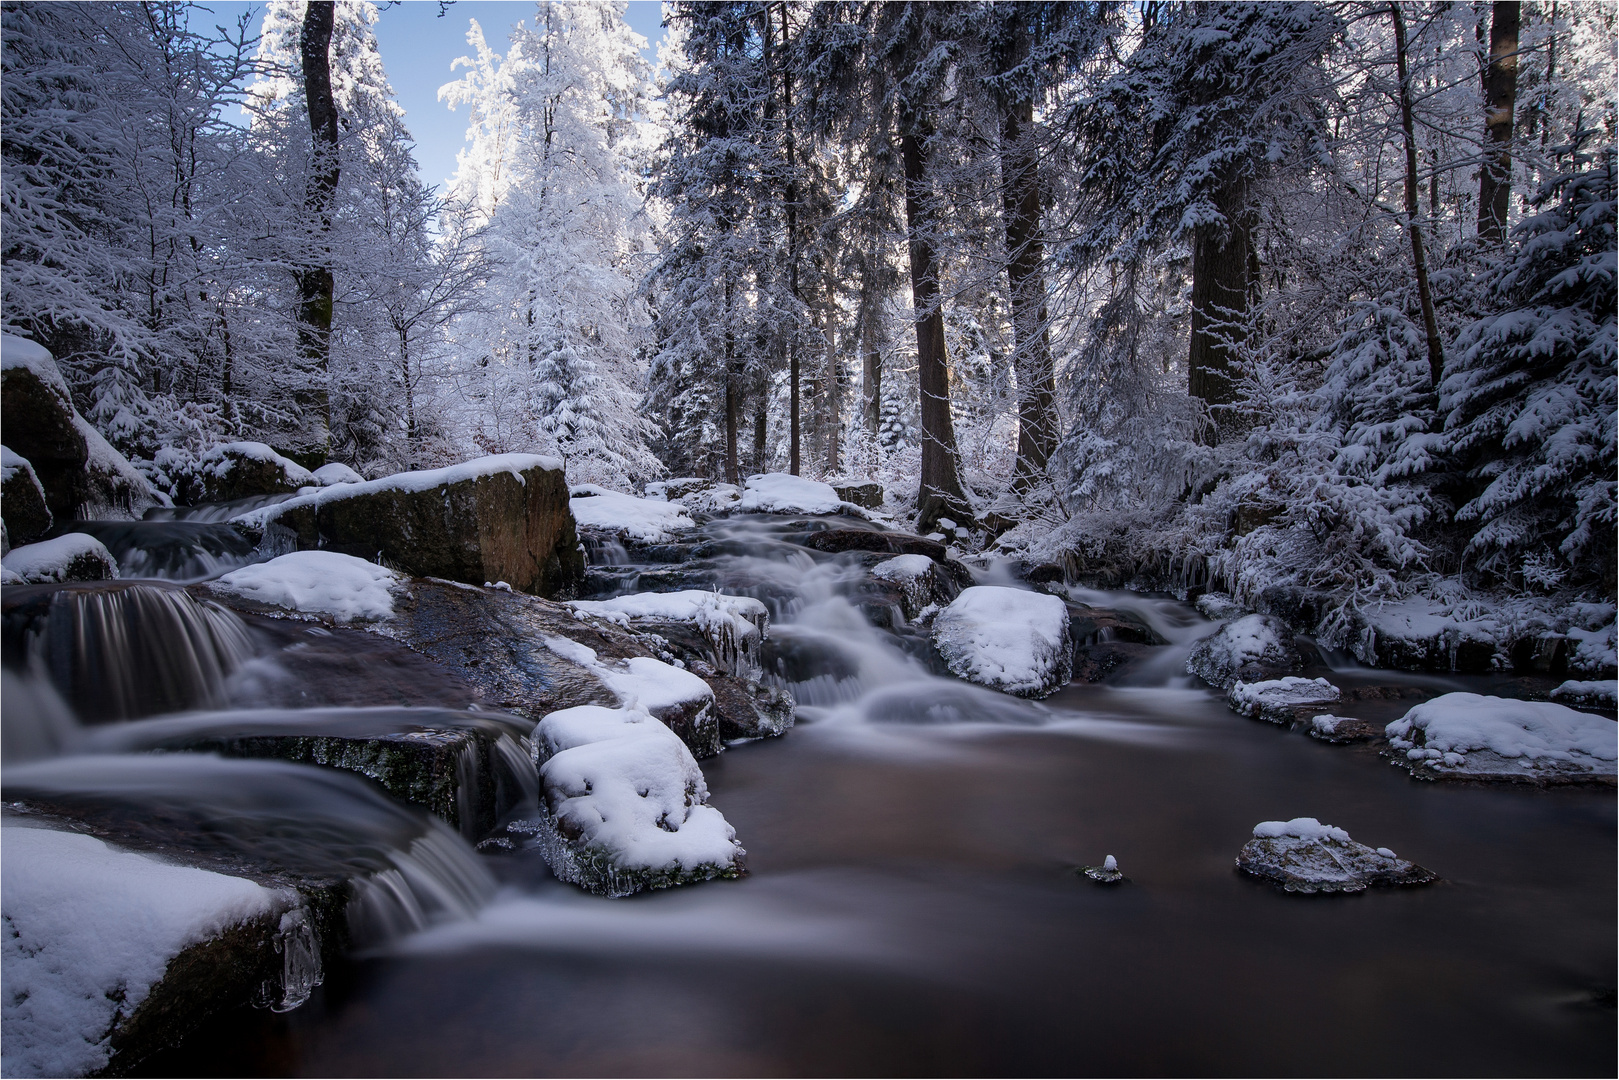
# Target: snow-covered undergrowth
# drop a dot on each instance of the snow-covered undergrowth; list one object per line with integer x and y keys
{"x": 1305, "y": 856}
{"x": 1473, "y": 736}
{"x": 734, "y": 625}
{"x": 317, "y": 583}
{"x": 650, "y": 521}
{"x": 627, "y": 803}
{"x": 69, "y": 557}
{"x": 89, "y": 929}
{"x": 1007, "y": 639}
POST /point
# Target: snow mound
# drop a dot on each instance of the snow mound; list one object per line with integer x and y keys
{"x": 650, "y": 521}
{"x": 1476, "y": 737}
{"x": 1276, "y": 699}
{"x": 784, "y": 493}
{"x": 69, "y": 557}
{"x": 335, "y": 472}
{"x": 317, "y": 582}
{"x": 421, "y": 480}
{"x": 1597, "y": 694}
{"x": 734, "y": 625}
{"x": 627, "y": 804}
{"x": 89, "y": 930}
{"x": 713, "y": 499}
{"x": 1305, "y": 856}
{"x": 1254, "y": 647}
{"x": 1006, "y": 639}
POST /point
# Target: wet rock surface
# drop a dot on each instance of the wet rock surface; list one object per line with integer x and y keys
{"x": 1343, "y": 730}
{"x": 1304, "y": 856}
{"x": 40, "y": 425}
{"x": 22, "y": 499}
{"x": 868, "y": 495}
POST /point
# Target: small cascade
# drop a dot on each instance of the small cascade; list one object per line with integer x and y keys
{"x": 186, "y": 550}
{"x": 124, "y": 649}
{"x": 215, "y": 511}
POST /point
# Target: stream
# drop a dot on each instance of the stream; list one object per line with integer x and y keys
{"x": 911, "y": 905}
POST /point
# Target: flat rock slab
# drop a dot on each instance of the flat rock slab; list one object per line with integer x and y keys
{"x": 1305, "y": 856}
{"x": 1281, "y": 701}
{"x": 1478, "y": 737}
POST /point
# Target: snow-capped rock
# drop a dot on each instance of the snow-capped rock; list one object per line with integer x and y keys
{"x": 1305, "y": 856}
{"x": 22, "y": 499}
{"x": 648, "y": 521}
{"x": 784, "y": 493}
{"x": 914, "y": 577}
{"x": 319, "y": 583}
{"x": 1599, "y": 695}
{"x": 1253, "y": 648}
{"x": 1219, "y": 607}
{"x": 1006, "y": 639}
{"x": 682, "y": 701}
{"x": 335, "y": 472}
{"x": 1278, "y": 700}
{"x": 733, "y": 627}
{"x": 1476, "y": 737}
{"x": 69, "y": 557}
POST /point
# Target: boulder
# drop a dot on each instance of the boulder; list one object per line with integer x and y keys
{"x": 868, "y": 495}
{"x": 1006, "y": 639}
{"x": 678, "y": 488}
{"x": 1594, "y": 695}
{"x": 1305, "y": 856}
{"x": 626, "y": 518}
{"x": 1343, "y": 730}
{"x": 1280, "y": 701}
{"x": 749, "y": 710}
{"x": 37, "y": 414}
{"x": 1253, "y": 648}
{"x": 241, "y": 470}
{"x": 784, "y": 493}
{"x": 727, "y": 631}
{"x": 1094, "y": 626}
{"x": 69, "y": 557}
{"x": 496, "y": 519}
{"x": 1463, "y": 736}
{"x": 917, "y": 580}
{"x": 836, "y": 540}
{"x": 22, "y": 499}
{"x": 1219, "y": 607}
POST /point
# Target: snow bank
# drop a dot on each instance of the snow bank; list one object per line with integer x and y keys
{"x": 1253, "y": 647}
{"x": 628, "y": 804}
{"x": 421, "y": 480}
{"x": 1596, "y": 694}
{"x": 335, "y": 472}
{"x": 89, "y": 930}
{"x": 1305, "y": 856}
{"x": 1007, "y": 639}
{"x": 783, "y": 493}
{"x": 1275, "y": 700}
{"x": 1472, "y": 736}
{"x": 650, "y": 521}
{"x": 69, "y": 557}
{"x": 318, "y": 582}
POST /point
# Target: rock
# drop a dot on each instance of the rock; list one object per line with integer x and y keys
{"x": 114, "y": 487}
{"x": 1093, "y": 663}
{"x": 626, "y": 518}
{"x": 836, "y": 540}
{"x": 1093, "y": 626}
{"x": 1252, "y": 648}
{"x": 1343, "y": 729}
{"x": 1600, "y": 696}
{"x": 499, "y": 518}
{"x": 749, "y": 710}
{"x": 726, "y": 630}
{"x": 1043, "y": 574}
{"x": 36, "y": 412}
{"x": 678, "y": 488}
{"x": 335, "y": 472}
{"x": 22, "y": 499}
{"x": 917, "y": 580}
{"x": 1593, "y": 653}
{"x": 868, "y": 495}
{"x": 1305, "y": 856}
{"x": 241, "y": 470}
{"x": 624, "y": 805}
{"x": 1475, "y": 737}
{"x": 1106, "y": 874}
{"x": 1219, "y": 607}
{"x": 1412, "y": 637}
{"x": 1280, "y": 701}
{"x": 784, "y": 493}
{"x": 69, "y": 557}
{"x": 1007, "y": 639}
{"x": 1251, "y": 514}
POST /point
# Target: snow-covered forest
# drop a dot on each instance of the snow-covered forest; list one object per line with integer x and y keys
{"x": 1309, "y": 296}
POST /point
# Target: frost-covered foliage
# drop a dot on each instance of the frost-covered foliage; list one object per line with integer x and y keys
{"x": 1530, "y": 406}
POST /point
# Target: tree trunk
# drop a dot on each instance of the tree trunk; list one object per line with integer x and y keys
{"x": 1220, "y": 286}
{"x": 940, "y": 494}
{"x": 833, "y": 419}
{"x": 733, "y": 396}
{"x": 761, "y": 444}
{"x": 410, "y": 398}
{"x": 1419, "y": 258}
{"x": 1036, "y": 375}
{"x": 872, "y": 383}
{"x": 794, "y": 411}
{"x": 1500, "y": 99}
{"x": 315, "y": 278}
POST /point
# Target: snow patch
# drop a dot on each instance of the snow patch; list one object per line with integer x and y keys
{"x": 1303, "y": 828}
{"x": 1007, "y": 639}
{"x": 1275, "y": 700}
{"x": 650, "y": 521}
{"x": 335, "y": 472}
{"x": 66, "y": 558}
{"x": 317, "y": 582}
{"x": 89, "y": 929}
{"x": 784, "y": 493}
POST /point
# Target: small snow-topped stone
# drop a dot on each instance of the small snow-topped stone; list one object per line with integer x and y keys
{"x": 1276, "y": 699}
{"x": 1218, "y": 606}
{"x": 1253, "y": 648}
{"x": 317, "y": 582}
{"x": 1594, "y": 694}
{"x": 913, "y": 576}
{"x": 1473, "y": 736}
{"x": 90, "y": 930}
{"x": 681, "y": 700}
{"x": 784, "y": 493}
{"x": 650, "y": 521}
{"x": 69, "y": 557}
{"x": 1305, "y": 856}
{"x": 1007, "y": 639}
{"x": 335, "y": 472}
{"x": 628, "y": 804}
{"x": 733, "y": 626}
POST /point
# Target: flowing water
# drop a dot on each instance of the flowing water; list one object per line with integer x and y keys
{"x": 912, "y": 905}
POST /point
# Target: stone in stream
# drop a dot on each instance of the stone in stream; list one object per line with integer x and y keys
{"x": 70, "y": 557}
{"x": 1252, "y": 648}
{"x": 917, "y": 579}
{"x": 22, "y": 499}
{"x": 836, "y": 540}
{"x": 495, "y": 519}
{"x": 1342, "y": 730}
{"x": 1463, "y": 736}
{"x": 1106, "y": 874}
{"x": 1281, "y": 701}
{"x": 729, "y": 629}
{"x": 1597, "y": 695}
{"x": 1305, "y": 856}
{"x": 1006, "y": 639}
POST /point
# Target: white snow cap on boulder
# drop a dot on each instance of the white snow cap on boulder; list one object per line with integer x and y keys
{"x": 319, "y": 583}
{"x": 335, "y": 472}
{"x": 628, "y": 803}
{"x": 784, "y": 493}
{"x": 1006, "y": 639}
{"x": 1473, "y": 736}
{"x": 1253, "y": 647}
{"x": 69, "y": 557}
{"x": 650, "y": 521}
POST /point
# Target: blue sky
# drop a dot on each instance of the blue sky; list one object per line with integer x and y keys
{"x": 417, "y": 50}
